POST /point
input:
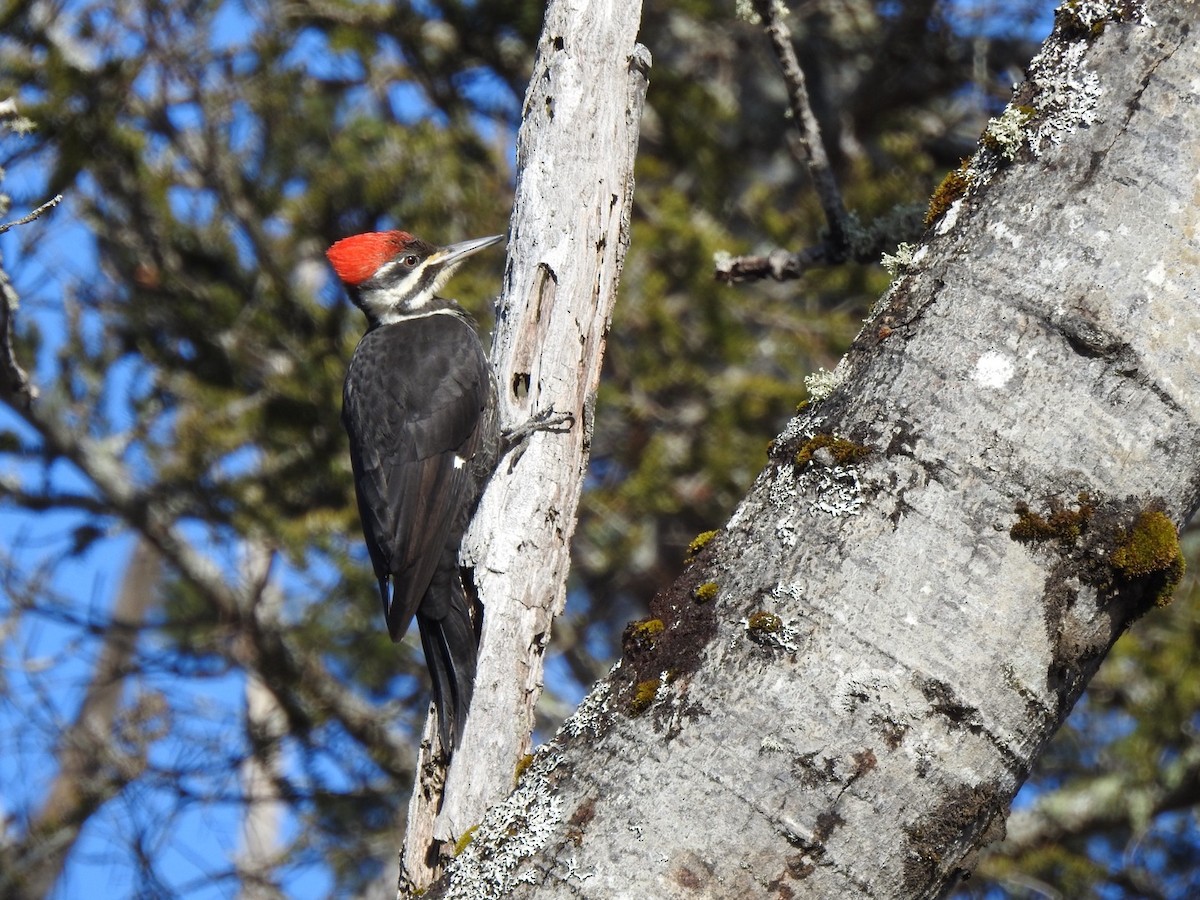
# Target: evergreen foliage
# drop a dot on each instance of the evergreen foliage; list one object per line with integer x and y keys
{"x": 180, "y": 322}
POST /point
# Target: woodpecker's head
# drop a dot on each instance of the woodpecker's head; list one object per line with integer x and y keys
{"x": 392, "y": 275}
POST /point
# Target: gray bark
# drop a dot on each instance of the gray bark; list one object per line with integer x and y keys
{"x": 567, "y": 242}
{"x": 262, "y": 769}
{"x": 884, "y": 660}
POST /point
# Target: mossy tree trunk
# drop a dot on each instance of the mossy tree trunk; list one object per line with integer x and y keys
{"x": 854, "y": 677}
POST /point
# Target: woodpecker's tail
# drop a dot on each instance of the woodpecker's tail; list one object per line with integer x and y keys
{"x": 449, "y": 640}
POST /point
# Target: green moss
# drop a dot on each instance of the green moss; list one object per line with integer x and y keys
{"x": 706, "y": 592}
{"x": 1151, "y": 549}
{"x": 644, "y": 632}
{"x": 953, "y": 186}
{"x": 1060, "y": 524}
{"x": 699, "y": 542}
{"x": 763, "y": 622}
{"x": 1074, "y": 24}
{"x": 465, "y": 841}
{"x": 844, "y": 452}
{"x": 1079, "y": 20}
{"x": 522, "y": 764}
{"x": 643, "y": 696}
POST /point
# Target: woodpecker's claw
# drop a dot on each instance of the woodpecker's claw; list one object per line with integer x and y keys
{"x": 547, "y": 420}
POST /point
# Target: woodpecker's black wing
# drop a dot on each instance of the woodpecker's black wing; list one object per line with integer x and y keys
{"x": 413, "y": 407}
{"x": 419, "y": 409}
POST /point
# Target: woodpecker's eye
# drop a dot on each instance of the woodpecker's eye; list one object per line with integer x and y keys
{"x": 411, "y": 260}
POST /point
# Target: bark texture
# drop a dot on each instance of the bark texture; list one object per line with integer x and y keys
{"x": 847, "y": 686}
{"x": 569, "y": 233}
{"x": 261, "y": 772}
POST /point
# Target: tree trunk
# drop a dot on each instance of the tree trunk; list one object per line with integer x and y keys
{"x": 844, "y": 690}
{"x": 94, "y": 762}
{"x": 567, "y": 242}
{"x": 261, "y": 771}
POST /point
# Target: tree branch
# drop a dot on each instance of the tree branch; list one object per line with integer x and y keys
{"x": 299, "y": 680}
{"x": 867, "y": 245}
{"x": 569, "y": 233}
{"x": 1101, "y": 804}
{"x": 812, "y": 147}
{"x": 36, "y": 214}
{"x": 847, "y": 238}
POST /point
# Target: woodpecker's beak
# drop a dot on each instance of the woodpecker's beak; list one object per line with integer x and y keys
{"x": 449, "y": 257}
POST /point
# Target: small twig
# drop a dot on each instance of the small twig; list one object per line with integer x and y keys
{"x": 810, "y": 131}
{"x": 14, "y": 380}
{"x": 778, "y": 264}
{"x": 903, "y": 223}
{"x": 26, "y": 219}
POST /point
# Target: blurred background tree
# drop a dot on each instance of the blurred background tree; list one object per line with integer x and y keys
{"x": 198, "y": 696}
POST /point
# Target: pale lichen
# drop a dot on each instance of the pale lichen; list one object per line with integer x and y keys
{"x": 895, "y": 263}
{"x": 770, "y": 744}
{"x": 492, "y": 864}
{"x": 837, "y": 489}
{"x": 820, "y": 384}
{"x": 1005, "y": 134}
{"x": 1067, "y": 90}
{"x": 1068, "y": 93}
{"x": 817, "y": 490}
{"x": 744, "y": 10}
{"x": 593, "y": 716}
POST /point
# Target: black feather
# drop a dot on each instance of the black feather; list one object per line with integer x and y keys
{"x": 418, "y": 409}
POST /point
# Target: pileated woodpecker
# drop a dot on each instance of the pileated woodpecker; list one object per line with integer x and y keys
{"x": 419, "y": 405}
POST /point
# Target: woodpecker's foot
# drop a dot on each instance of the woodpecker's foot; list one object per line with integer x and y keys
{"x": 547, "y": 420}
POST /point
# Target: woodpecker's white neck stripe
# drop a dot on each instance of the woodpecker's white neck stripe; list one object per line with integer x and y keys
{"x": 393, "y": 316}
{"x": 394, "y": 303}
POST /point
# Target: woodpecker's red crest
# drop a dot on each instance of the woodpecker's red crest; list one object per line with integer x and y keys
{"x": 392, "y": 275}
{"x": 357, "y": 258}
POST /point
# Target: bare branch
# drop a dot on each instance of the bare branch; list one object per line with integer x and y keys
{"x": 847, "y": 238}
{"x": 1106, "y": 802}
{"x": 867, "y": 244}
{"x": 14, "y": 380}
{"x": 39, "y": 501}
{"x": 37, "y": 213}
{"x": 301, "y": 683}
{"x": 812, "y": 147}
{"x": 778, "y": 264}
